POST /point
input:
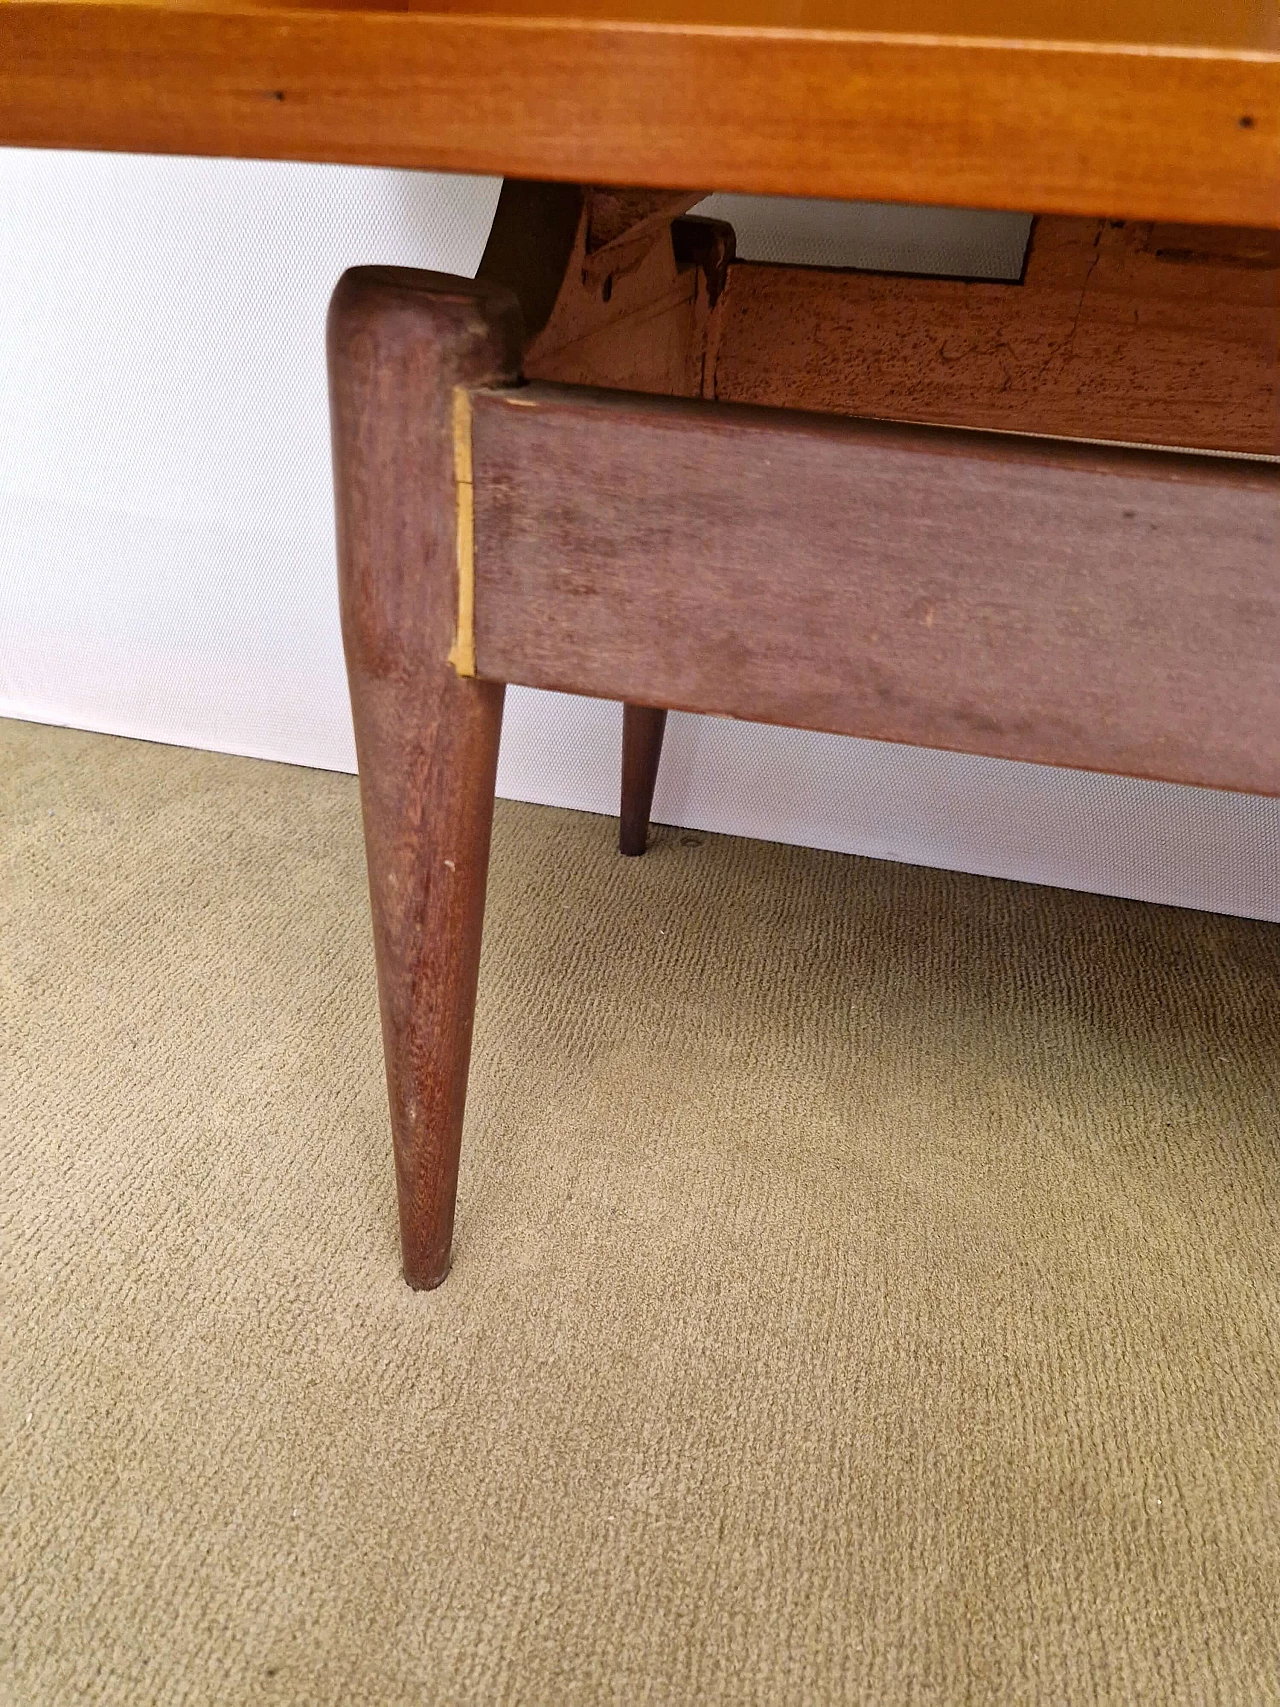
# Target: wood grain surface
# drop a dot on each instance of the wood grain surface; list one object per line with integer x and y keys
{"x": 400, "y": 342}
{"x": 1107, "y": 609}
{"x": 1136, "y": 112}
{"x": 1141, "y": 332}
{"x": 636, "y": 307}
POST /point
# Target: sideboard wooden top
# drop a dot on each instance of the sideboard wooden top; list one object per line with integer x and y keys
{"x": 1136, "y": 109}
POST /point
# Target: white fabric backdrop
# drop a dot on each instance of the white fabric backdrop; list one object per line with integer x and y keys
{"x": 166, "y": 540}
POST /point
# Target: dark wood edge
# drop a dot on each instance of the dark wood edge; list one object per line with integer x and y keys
{"x": 1033, "y": 449}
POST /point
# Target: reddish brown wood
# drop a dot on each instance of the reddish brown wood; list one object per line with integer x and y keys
{"x": 636, "y": 308}
{"x": 1095, "y": 607}
{"x": 1130, "y": 332}
{"x": 426, "y": 739}
{"x": 1001, "y": 596}
{"x": 642, "y": 730}
{"x": 1142, "y": 333}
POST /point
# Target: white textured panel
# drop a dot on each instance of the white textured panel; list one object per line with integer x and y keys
{"x": 166, "y": 535}
{"x": 881, "y": 236}
{"x": 194, "y": 632}
{"x": 166, "y": 510}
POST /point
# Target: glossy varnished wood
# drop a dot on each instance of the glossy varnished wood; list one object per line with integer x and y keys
{"x": 426, "y": 738}
{"x": 1103, "y": 608}
{"x": 1134, "y": 111}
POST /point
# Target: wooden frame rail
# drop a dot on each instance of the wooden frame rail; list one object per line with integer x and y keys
{"x": 1038, "y": 600}
{"x": 1130, "y": 331}
{"x": 1097, "y": 607}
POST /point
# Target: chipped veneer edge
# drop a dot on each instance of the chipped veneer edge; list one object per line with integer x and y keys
{"x": 462, "y": 654}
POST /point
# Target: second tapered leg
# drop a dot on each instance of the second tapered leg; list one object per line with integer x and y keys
{"x": 642, "y": 731}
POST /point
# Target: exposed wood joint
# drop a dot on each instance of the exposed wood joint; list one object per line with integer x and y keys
{"x": 617, "y": 217}
{"x": 639, "y": 303}
{"x": 462, "y": 654}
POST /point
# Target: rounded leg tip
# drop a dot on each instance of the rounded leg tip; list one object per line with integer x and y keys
{"x": 425, "y": 1275}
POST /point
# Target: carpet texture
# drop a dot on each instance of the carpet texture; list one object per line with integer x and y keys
{"x": 865, "y": 1284}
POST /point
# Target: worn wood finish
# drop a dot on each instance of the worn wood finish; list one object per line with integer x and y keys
{"x": 636, "y": 308}
{"x": 1134, "y": 111}
{"x": 531, "y": 244}
{"x": 643, "y": 727}
{"x": 636, "y": 312}
{"x": 1145, "y": 333}
{"x": 426, "y": 739}
{"x": 630, "y": 314}
{"x": 1108, "y": 609}
{"x": 1115, "y": 331}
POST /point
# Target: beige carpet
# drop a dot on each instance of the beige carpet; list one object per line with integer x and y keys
{"x": 865, "y": 1289}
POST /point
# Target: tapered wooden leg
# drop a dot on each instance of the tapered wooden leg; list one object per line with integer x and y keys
{"x": 642, "y": 731}
{"x": 426, "y": 736}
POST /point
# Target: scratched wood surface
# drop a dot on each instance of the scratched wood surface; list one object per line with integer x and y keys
{"x": 637, "y": 304}
{"x": 635, "y": 308}
{"x": 1108, "y": 609}
{"x": 1134, "y": 110}
{"x": 1152, "y": 333}
{"x": 400, "y": 343}
{"x": 1133, "y": 332}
